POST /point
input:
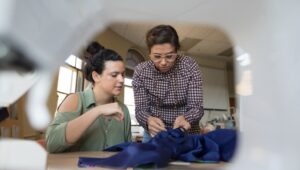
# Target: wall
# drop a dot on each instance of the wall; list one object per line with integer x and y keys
{"x": 215, "y": 88}
{"x": 218, "y": 86}
{"x": 109, "y": 39}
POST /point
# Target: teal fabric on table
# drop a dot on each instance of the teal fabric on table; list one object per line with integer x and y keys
{"x": 173, "y": 144}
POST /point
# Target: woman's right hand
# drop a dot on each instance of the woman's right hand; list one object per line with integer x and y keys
{"x": 155, "y": 125}
{"x": 111, "y": 110}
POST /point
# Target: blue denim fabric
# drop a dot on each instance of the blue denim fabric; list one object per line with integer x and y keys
{"x": 166, "y": 146}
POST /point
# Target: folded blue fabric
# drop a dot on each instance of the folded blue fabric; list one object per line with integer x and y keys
{"x": 174, "y": 144}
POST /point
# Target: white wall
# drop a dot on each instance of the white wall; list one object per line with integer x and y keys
{"x": 215, "y": 88}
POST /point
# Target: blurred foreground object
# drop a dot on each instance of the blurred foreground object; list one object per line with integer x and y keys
{"x": 22, "y": 154}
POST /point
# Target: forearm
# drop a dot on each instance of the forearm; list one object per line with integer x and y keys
{"x": 194, "y": 111}
{"x": 141, "y": 107}
{"x": 142, "y": 118}
{"x": 76, "y": 127}
{"x": 194, "y": 115}
{"x": 55, "y": 138}
{"x": 127, "y": 133}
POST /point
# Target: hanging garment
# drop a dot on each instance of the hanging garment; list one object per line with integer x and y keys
{"x": 174, "y": 144}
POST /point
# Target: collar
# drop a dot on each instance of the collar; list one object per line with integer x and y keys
{"x": 89, "y": 98}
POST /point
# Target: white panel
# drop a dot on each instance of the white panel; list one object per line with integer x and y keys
{"x": 215, "y": 88}
{"x": 22, "y": 154}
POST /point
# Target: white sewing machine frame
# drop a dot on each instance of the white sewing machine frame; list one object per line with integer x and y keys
{"x": 265, "y": 34}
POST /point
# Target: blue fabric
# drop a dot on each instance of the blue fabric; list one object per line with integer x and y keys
{"x": 173, "y": 144}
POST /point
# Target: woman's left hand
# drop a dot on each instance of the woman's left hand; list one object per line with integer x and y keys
{"x": 180, "y": 122}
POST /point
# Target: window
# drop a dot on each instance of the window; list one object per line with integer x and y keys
{"x": 129, "y": 100}
{"x": 133, "y": 58}
{"x": 70, "y": 78}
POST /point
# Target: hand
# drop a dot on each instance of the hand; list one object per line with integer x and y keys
{"x": 155, "y": 125}
{"x": 180, "y": 122}
{"x": 204, "y": 130}
{"x": 208, "y": 128}
{"x": 111, "y": 110}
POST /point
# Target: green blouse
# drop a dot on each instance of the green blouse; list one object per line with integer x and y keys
{"x": 103, "y": 133}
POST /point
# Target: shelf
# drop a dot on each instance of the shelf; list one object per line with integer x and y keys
{"x": 212, "y": 109}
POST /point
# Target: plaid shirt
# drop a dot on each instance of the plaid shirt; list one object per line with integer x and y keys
{"x": 169, "y": 95}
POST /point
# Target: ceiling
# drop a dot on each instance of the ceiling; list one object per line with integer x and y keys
{"x": 198, "y": 40}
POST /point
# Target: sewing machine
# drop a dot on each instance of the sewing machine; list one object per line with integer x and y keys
{"x": 36, "y": 36}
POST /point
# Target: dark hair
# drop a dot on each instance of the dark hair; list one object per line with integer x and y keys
{"x": 162, "y": 34}
{"x": 92, "y": 49}
{"x": 96, "y": 60}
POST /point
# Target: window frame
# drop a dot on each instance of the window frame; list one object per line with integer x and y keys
{"x": 78, "y": 71}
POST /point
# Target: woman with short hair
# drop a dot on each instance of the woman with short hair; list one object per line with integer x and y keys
{"x": 167, "y": 88}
